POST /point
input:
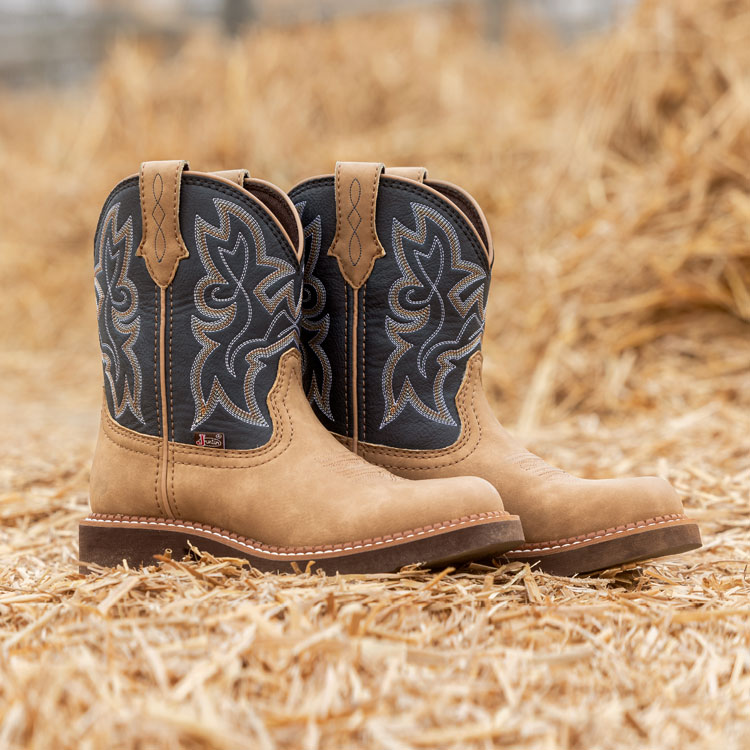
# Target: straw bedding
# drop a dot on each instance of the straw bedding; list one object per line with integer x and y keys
{"x": 615, "y": 179}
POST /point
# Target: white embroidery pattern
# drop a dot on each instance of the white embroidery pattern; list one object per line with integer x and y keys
{"x": 313, "y": 302}
{"x": 221, "y": 312}
{"x": 423, "y": 297}
{"x": 117, "y": 309}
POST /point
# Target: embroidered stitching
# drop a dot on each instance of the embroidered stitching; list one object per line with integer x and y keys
{"x": 355, "y": 226}
{"x": 158, "y": 217}
{"x": 463, "y": 448}
{"x": 117, "y": 301}
{"x": 466, "y": 296}
{"x": 282, "y": 438}
{"x": 313, "y": 303}
{"x": 282, "y": 306}
{"x": 256, "y": 546}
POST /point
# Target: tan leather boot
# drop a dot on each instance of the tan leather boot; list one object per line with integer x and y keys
{"x": 206, "y": 435}
{"x": 397, "y": 273}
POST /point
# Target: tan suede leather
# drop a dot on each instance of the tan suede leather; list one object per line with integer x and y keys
{"x": 356, "y": 245}
{"x": 162, "y": 245}
{"x": 418, "y": 174}
{"x": 238, "y": 176}
{"x": 470, "y": 208}
{"x": 303, "y": 488}
{"x": 282, "y": 209}
{"x": 125, "y": 472}
{"x": 552, "y": 504}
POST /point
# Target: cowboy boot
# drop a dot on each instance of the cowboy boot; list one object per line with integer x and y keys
{"x": 206, "y": 437}
{"x": 397, "y": 272}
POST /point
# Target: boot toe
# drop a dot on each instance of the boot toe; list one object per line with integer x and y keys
{"x": 564, "y": 510}
{"x": 458, "y": 497}
{"x": 651, "y": 496}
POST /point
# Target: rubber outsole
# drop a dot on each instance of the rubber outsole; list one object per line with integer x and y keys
{"x": 630, "y": 546}
{"x": 108, "y": 543}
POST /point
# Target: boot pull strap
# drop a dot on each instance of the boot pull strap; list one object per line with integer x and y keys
{"x": 418, "y": 174}
{"x": 237, "y": 176}
{"x": 356, "y": 245}
{"x": 162, "y": 246}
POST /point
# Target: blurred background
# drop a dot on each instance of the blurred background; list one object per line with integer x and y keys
{"x": 608, "y": 142}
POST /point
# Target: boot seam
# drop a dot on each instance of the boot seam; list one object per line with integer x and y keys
{"x": 164, "y": 450}
{"x": 156, "y": 400}
{"x": 399, "y": 536}
{"x": 354, "y": 372}
{"x": 600, "y": 534}
{"x": 438, "y": 453}
{"x": 346, "y": 358}
{"x": 276, "y": 446}
{"x": 171, "y": 405}
{"x": 281, "y": 437}
{"x": 364, "y": 388}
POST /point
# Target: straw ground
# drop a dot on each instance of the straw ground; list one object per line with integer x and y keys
{"x": 615, "y": 178}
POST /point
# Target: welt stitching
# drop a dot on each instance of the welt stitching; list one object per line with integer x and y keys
{"x": 601, "y": 534}
{"x": 386, "y": 539}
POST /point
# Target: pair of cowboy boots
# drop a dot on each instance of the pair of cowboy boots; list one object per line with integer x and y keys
{"x": 297, "y": 378}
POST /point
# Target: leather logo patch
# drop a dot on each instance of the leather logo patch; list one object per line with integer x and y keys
{"x": 209, "y": 439}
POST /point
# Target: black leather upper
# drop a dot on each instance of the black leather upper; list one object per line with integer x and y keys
{"x": 420, "y": 315}
{"x": 232, "y": 310}
{"x": 326, "y": 305}
{"x": 127, "y": 306}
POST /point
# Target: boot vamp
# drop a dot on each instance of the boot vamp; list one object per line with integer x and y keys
{"x": 554, "y": 505}
{"x": 321, "y": 494}
{"x": 309, "y": 490}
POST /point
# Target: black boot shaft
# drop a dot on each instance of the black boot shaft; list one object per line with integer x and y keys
{"x": 218, "y": 329}
{"x": 386, "y": 359}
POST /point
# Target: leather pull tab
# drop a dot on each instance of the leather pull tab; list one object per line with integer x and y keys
{"x": 419, "y": 174}
{"x": 356, "y": 245}
{"x": 162, "y": 246}
{"x": 234, "y": 175}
